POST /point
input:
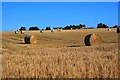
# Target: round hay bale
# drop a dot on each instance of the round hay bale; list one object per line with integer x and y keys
{"x": 16, "y": 32}
{"x": 59, "y": 30}
{"x": 118, "y": 29}
{"x": 92, "y": 39}
{"x": 22, "y": 32}
{"x": 52, "y": 30}
{"x": 41, "y": 31}
{"x": 108, "y": 30}
{"x": 29, "y": 39}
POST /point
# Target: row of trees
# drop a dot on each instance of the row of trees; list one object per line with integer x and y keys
{"x": 74, "y": 27}
{"x": 100, "y": 25}
{"x": 33, "y": 28}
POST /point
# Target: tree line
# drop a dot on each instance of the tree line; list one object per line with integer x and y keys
{"x": 68, "y": 27}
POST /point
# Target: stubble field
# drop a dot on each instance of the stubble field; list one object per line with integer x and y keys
{"x": 60, "y": 55}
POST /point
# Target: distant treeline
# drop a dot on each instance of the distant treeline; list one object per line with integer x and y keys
{"x": 74, "y": 27}
{"x": 100, "y": 25}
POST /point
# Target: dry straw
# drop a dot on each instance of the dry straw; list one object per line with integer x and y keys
{"x": 92, "y": 39}
{"x": 30, "y": 39}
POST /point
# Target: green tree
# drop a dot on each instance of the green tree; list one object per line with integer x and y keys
{"x": 57, "y": 28}
{"x": 34, "y": 28}
{"x": 115, "y": 26}
{"x": 101, "y": 25}
{"x": 67, "y": 27}
{"x": 48, "y": 28}
{"x": 22, "y": 28}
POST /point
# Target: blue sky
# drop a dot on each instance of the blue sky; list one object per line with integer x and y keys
{"x": 55, "y": 14}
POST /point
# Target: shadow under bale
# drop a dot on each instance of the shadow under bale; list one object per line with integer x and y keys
{"x": 92, "y": 39}
{"x": 29, "y": 39}
{"x": 74, "y": 46}
{"x": 20, "y": 43}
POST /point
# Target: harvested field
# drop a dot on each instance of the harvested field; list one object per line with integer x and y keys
{"x": 60, "y": 55}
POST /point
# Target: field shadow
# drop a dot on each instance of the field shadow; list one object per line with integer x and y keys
{"x": 21, "y": 43}
{"x": 109, "y": 42}
{"x": 75, "y": 46}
